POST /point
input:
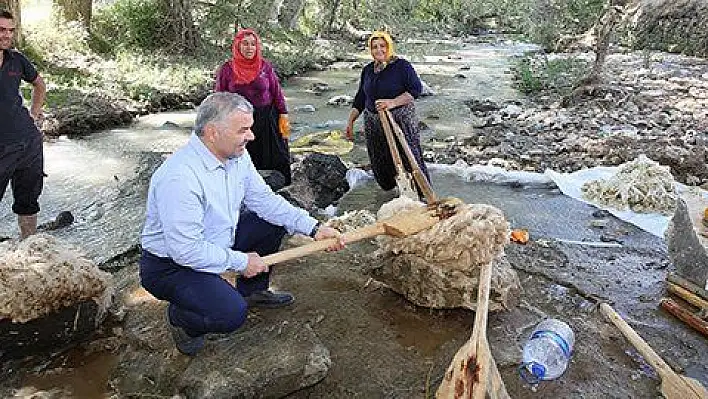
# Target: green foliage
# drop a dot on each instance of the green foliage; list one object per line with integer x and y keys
{"x": 56, "y": 36}
{"x": 131, "y": 24}
{"x": 528, "y": 82}
{"x": 546, "y": 21}
{"x": 538, "y": 72}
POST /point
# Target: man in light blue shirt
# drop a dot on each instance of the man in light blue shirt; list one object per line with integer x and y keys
{"x": 196, "y": 227}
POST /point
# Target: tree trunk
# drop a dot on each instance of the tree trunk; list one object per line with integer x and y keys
{"x": 603, "y": 30}
{"x": 333, "y": 16}
{"x": 179, "y": 26}
{"x": 76, "y": 10}
{"x": 275, "y": 12}
{"x": 13, "y": 6}
{"x": 296, "y": 16}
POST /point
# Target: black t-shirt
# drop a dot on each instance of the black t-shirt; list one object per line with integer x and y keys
{"x": 16, "y": 124}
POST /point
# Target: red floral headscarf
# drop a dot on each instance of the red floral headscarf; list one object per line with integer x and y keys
{"x": 245, "y": 70}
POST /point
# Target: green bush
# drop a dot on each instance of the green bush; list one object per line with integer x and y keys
{"x": 131, "y": 23}
{"x": 559, "y": 75}
{"x": 56, "y": 36}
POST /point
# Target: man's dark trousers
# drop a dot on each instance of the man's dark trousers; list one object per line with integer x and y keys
{"x": 201, "y": 302}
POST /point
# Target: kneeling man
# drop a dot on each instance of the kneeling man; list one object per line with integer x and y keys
{"x": 209, "y": 211}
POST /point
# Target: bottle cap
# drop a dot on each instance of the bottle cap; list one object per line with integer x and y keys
{"x": 532, "y": 372}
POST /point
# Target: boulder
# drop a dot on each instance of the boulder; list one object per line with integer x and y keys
{"x": 49, "y": 333}
{"x": 439, "y": 267}
{"x": 686, "y": 251}
{"x": 318, "y": 181}
{"x": 262, "y": 359}
{"x": 50, "y": 296}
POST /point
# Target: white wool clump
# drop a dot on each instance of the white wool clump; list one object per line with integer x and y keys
{"x": 474, "y": 235}
{"x": 39, "y": 276}
{"x": 397, "y": 205}
{"x": 439, "y": 267}
{"x": 353, "y": 220}
{"x": 642, "y": 185}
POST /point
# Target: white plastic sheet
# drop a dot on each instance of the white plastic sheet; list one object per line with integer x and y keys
{"x": 654, "y": 223}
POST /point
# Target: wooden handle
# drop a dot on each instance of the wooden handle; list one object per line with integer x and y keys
{"x": 644, "y": 349}
{"x": 685, "y": 315}
{"x": 418, "y": 175}
{"x": 397, "y": 161}
{"x": 318, "y": 246}
{"x": 688, "y": 296}
{"x": 687, "y": 285}
{"x": 479, "y": 332}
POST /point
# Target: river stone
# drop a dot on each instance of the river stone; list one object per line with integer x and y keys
{"x": 439, "y": 267}
{"x": 341, "y": 100}
{"x": 319, "y": 180}
{"x": 262, "y": 359}
{"x": 439, "y": 286}
{"x": 273, "y": 178}
{"x": 685, "y": 249}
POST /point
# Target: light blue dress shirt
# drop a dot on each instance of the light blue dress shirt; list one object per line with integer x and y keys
{"x": 193, "y": 207}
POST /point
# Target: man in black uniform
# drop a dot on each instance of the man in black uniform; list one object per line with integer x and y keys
{"x": 21, "y": 158}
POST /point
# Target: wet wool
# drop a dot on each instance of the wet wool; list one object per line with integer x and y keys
{"x": 439, "y": 267}
{"x": 39, "y": 275}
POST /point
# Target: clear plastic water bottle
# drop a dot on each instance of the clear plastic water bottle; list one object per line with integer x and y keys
{"x": 547, "y": 351}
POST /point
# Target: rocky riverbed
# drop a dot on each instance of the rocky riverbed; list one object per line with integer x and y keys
{"x": 655, "y": 104}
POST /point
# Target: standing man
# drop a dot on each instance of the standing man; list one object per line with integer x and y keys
{"x": 21, "y": 158}
{"x": 196, "y": 227}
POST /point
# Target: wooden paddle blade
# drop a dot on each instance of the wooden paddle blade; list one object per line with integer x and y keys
{"x": 682, "y": 387}
{"x": 699, "y": 389}
{"x": 408, "y": 223}
{"x": 420, "y": 179}
{"x": 673, "y": 386}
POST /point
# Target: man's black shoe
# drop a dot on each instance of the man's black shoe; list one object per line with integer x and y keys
{"x": 269, "y": 299}
{"x": 187, "y": 345}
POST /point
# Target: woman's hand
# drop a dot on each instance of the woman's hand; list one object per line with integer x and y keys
{"x": 325, "y": 232}
{"x": 385, "y": 104}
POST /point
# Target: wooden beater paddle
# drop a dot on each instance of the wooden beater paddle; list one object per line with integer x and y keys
{"x": 403, "y": 224}
{"x": 673, "y": 386}
{"x": 404, "y": 182}
{"x": 418, "y": 175}
{"x": 473, "y": 373}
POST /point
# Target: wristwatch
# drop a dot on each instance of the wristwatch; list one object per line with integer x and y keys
{"x": 314, "y": 229}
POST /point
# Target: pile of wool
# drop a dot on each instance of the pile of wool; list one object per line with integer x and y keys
{"x": 641, "y": 185}
{"x": 39, "y": 276}
{"x": 439, "y": 267}
{"x": 352, "y": 220}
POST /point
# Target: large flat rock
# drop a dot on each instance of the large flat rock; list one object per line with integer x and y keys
{"x": 262, "y": 359}
{"x": 687, "y": 249}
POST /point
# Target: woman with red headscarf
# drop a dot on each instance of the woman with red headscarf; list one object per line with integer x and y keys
{"x": 253, "y": 77}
